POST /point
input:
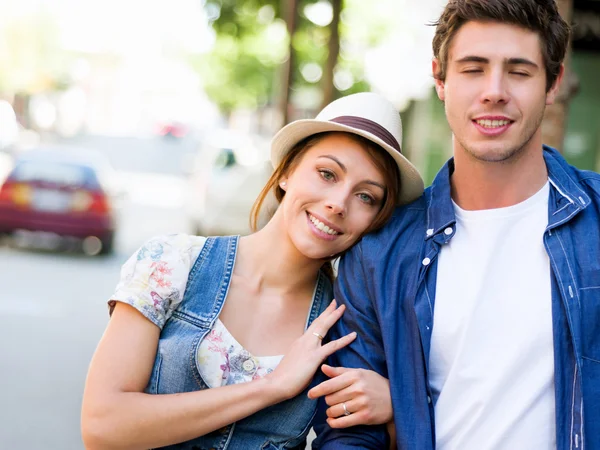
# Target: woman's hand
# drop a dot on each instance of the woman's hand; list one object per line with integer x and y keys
{"x": 302, "y": 360}
{"x": 364, "y": 393}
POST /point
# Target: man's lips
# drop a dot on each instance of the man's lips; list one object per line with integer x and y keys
{"x": 492, "y": 125}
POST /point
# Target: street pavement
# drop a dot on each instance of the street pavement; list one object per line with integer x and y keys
{"x": 53, "y": 305}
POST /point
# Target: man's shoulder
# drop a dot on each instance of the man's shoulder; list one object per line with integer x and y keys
{"x": 407, "y": 222}
{"x": 590, "y": 182}
{"x": 570, "y": 181}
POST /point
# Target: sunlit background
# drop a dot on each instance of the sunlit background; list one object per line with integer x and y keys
{"x": 124, "y": 119}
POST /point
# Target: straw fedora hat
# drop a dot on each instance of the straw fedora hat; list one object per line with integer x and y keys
{"x": 366, "y": 114}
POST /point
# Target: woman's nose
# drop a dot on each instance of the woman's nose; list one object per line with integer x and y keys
{"x": 336, "y": 205}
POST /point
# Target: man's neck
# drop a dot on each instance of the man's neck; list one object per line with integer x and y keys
{"x": 478, "y": 185}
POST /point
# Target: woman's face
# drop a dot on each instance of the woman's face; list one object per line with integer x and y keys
{"x": 332, "y": 196}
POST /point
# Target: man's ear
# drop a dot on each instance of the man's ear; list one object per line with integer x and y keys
{"x": 553, "y": 92}
{"x": 439, "y": 84}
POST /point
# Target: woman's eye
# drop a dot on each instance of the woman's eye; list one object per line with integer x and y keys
{"x": 327, "y": 175}
{"x": 366, "y": 198}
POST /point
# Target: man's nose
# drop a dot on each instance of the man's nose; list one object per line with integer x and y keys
{"x": 495, "y": 89}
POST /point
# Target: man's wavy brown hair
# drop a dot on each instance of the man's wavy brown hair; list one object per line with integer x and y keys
{"x": 540, "y": 16}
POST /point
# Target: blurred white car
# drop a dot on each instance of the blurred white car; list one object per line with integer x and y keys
{"x": 228, "y": 174}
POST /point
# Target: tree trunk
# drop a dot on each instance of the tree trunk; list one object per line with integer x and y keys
{"x": 289, "y": 9}
{"x": 555, "y": 118}
{"x": 329, "y": 91}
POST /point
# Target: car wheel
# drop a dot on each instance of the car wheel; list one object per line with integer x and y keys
{"x": 4, "y": 237}
{"x": 107, "y": 245}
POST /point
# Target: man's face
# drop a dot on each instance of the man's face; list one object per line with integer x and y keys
{"x": 495, "y": 90}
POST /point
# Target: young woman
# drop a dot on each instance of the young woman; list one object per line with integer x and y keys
{"x": 213, "y": 342}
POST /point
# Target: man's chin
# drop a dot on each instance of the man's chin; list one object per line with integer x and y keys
{"x": 493, "y": 153}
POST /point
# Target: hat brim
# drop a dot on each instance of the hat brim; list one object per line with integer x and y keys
{"x": 411, "y": 183}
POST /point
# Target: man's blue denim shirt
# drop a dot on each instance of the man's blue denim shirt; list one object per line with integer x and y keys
{"x": 388, "y": 282}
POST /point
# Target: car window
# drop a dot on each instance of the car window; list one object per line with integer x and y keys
{"x": 57, "y": 173}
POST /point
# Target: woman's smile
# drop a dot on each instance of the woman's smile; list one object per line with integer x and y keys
{"x": 321, "y": 229}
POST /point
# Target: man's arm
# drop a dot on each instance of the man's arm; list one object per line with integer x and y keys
{"x": 352, "y": 290}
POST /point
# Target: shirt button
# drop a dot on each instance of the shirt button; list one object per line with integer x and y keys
{"x": 428, "y": 399}
{"x": 430, "y": 232}
{"x": 248, "y": 365}
{"x": 448, "y": 231}
{"x": 426, "y": 261}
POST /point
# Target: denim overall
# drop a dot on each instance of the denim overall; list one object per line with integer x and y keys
{"x": 281, "y": 426}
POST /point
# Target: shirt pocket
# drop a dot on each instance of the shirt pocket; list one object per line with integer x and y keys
{"x": 590, "y": 315}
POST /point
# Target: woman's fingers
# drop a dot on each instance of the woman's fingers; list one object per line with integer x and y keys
{"x": 337, "y": 410}
{"x": 327, "y": 318}
{"x": 344, "y": 421}
{"x": 333, "y": 372}
{"x": 333, "y": 346}
{"x": 343, "y": 395}
{"x": 332, "y": 385}
{"x": 336, "y": 417}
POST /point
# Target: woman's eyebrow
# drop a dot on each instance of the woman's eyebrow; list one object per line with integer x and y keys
{"x": 345, "y": 170}
{"x": 333, "y": 158}
{"x": 375, "y": 183}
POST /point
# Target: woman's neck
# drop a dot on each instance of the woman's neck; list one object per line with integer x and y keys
{"x": 270, "y": 259}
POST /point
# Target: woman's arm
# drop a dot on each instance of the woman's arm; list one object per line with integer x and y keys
{"x": 116, "y": 414}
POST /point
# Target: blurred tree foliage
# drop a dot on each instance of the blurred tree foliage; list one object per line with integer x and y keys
{"x": 250, "y": 44}
{"x": 246, "y": 67}
{"x": 30, "y": 56}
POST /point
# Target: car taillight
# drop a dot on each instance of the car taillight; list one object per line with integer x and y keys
{"x": 15, "y": 193}
{"x": 99, "y": 203}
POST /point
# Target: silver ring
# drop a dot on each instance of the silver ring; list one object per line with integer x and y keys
{"x": 318, "y": 335}
{"x": 346, "y": 412}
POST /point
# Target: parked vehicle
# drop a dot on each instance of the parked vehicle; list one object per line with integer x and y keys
{"x": 229, "y": 172}
{"x": 173, "y": 130}
{"x": 66, "y": 193}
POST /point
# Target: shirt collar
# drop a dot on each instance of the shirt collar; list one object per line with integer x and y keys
{"x": 568, "y": 197}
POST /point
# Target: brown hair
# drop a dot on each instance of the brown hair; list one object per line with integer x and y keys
{"x": 381, "y": 158}
{"x": 540, "y": 16}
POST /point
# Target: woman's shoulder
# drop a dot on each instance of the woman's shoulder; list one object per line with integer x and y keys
{"x": 171, "y": 246}
{"x": 154, "y": 278}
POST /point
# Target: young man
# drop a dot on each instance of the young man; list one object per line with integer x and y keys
{"x": 481, "y": 300}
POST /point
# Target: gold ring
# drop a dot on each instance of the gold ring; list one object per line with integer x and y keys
{"x": 318, "y": 335}
{"x": 346, "y": 412}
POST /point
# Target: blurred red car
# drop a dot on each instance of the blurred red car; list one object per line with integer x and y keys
{"x": 173, "y": 130}
{"x": 62, "y": 192}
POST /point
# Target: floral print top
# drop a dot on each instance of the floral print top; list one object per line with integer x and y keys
{"x": 153, "y": 281}
{"x": 223, "y": 361}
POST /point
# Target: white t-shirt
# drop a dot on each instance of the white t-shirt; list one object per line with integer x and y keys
{"x": 492, "y": 356}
